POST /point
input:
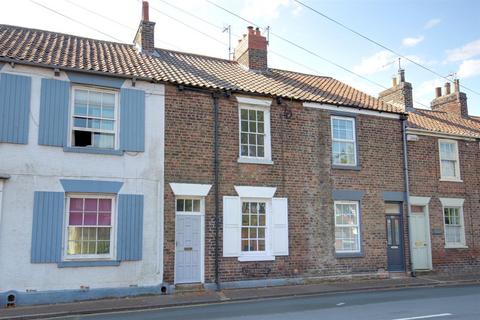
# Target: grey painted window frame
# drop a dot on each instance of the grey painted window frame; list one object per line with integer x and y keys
{"x": 354, "y": 116}
{"x": 350, "y": 195}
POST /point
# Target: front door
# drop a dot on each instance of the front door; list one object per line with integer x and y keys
{"x": 188, "y": 262}
{"x": 395, "y": 252}
{"x": 420, "y": 238}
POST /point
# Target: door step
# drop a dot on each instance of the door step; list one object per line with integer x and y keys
{"x": 397, "y": 274}
{"x": 189, "y": 287}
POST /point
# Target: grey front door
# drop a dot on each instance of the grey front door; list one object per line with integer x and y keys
{"x": 395, "y": 256}
{"x": 188, "y": 262}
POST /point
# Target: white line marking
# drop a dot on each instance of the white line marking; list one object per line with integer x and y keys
{"x": 427, "y": 317}
{"x": 340, "y": 304}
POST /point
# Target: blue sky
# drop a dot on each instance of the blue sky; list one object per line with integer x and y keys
{"x": 442, "y": 35}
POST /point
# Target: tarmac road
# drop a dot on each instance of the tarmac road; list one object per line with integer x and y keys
{"x": 442, "y": 303}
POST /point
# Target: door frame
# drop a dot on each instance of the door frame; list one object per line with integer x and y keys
{"x": 202, "y": 236}
{"x": 402, "y": 233}
{"x": 420, "y": 201}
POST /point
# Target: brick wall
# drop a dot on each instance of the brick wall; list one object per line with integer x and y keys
{"x": 301, "y": 152}
{"x": 425, "y": 181}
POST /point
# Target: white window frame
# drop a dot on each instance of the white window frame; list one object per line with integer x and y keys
{"x": 266, "y": 255}
{"x": 456, "y": 203}
{"x": 355, "y": 155}
{"x": 257, "y": 105}
{"x": 116, "y": 120}
{"x": 357, "y": 205}
{"x": 457, "y": 177}
{"x": 113, "y": 233}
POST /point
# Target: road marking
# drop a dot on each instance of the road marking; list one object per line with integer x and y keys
{"x": 340, "y": 304}
{"x": 427, "y": 316}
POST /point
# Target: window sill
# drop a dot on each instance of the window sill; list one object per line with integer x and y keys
{"x": 450, "y": 180}
{"x": 340, "y": 167}
{"x": 460, "y": 246}
{"x": 341, "y": 255}
{"x": 254, "y": 161}
{"x": 256, "y": 258}
{"x": 97, "y": 263}
{"x": 93, "y": 150}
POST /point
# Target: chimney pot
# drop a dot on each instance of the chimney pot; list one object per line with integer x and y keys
{"x": 438, "y": 92}
{"x": 456, "y": 83}
{"x": 394, "y": 82}
{"x": 145, "y": 11}
{"x": 447, "y": 88}
{"x": 401, "y": 75}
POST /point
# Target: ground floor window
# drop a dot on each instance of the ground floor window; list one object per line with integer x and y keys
{"x": 454, "y": 234}
{"x": 347, "y": 227}
{"x": 89, "y": 226}
{"x": 253, "y": 226}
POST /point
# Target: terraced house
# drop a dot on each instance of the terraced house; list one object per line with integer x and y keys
{"x": 129, "y": 169}
{"x": 443, "y": 154}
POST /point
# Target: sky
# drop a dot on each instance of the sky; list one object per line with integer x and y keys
{"x": 441, "y": 35}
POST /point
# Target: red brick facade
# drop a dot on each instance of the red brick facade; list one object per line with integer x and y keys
{"x": 425, "y": 181}
{"x": 302, "y": 172}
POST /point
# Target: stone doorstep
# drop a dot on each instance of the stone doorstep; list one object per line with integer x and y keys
{"x": 188, "y": 288}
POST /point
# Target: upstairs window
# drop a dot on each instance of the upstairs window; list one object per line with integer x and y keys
{"x": 94, "y": 118}
{"x": 252, "y": 123}
{"x": 254, "y": 131}
{"x": 449, "y": 162}
{"x": 344, "y": 148}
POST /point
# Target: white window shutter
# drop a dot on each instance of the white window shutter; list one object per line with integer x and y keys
{"x": 280, "y": 226}
{"x": 232, "y": 220}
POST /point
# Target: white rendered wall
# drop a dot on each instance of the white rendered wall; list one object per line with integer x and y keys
{"x": 39, "y": 168}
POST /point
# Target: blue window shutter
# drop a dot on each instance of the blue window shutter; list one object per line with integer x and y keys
{"x": 15, "y": 92}
{"x": 48, "y": 212}
{"x": 54, "y": 102}
{"x": 130, "y": 227}
{"x": 132, "y": 120}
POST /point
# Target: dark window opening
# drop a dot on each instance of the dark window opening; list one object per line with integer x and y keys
{"x": 82, "y": 139}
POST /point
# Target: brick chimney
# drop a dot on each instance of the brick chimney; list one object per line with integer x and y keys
{"x": 452, "y": 102}
{"x": 144, "y": 39}
{"x": 251, "y": 50}
{"x": 400, "y": 94}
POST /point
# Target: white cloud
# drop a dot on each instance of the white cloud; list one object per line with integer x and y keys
{"x": 432, "y": 23}
{"x": 412, "y": 42}
{"x": 468, "y": 51}
{"x": 469, "y": 68}
{"x": 382, "y": 61}
{"x": 265, "y": 9}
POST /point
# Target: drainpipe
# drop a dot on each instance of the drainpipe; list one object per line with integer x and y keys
{"x": 407, "y": 189}
{"x": 216, "y": 169}
{"x": 3, "y": 177}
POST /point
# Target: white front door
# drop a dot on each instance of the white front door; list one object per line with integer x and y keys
{"x": 420, "y": 238}
{"x": 189, "y": 242}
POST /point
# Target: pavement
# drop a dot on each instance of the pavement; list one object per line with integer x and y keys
{"x": 231, "y": 295}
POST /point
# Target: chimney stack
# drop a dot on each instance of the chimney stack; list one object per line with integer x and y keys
{"x": 144, "y": 39}
{"x": 400, "y": 94}
{"x": 251, "y": 50}
{"x": 452, "y": 102}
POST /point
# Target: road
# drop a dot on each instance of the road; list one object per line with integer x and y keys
{"x": 442, "y": 303}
